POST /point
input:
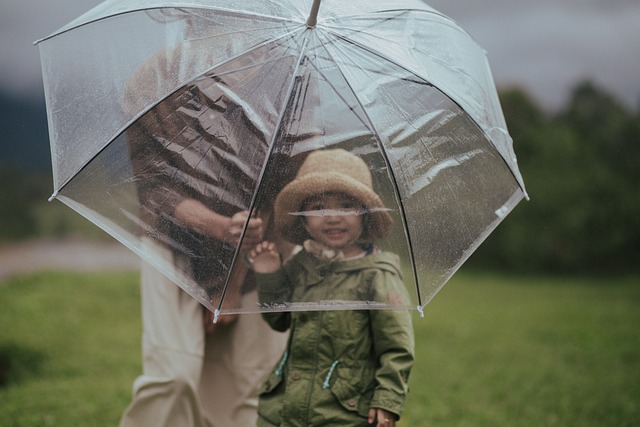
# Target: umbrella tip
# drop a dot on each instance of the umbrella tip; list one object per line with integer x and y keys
{"x": 421, "y": 310}
{"x": 216, "y": 314}
{"x": 313, "y": 15}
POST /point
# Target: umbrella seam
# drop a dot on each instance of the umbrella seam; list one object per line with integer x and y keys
{"x": 264, "y": 168}
{"x": 168, "y": 6}
{"x": 151, "y": 106}
{"x": 391, "y": 174}
{"x": 426, "y": 81}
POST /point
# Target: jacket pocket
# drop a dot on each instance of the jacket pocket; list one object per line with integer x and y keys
{"x": 353, "y": 388}
{"x": 271, "y": 383}
{"x": 270, "y": 402}
{"x": 275, "y": 378}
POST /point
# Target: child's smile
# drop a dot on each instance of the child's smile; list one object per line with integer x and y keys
{"x": 335, "y": 220}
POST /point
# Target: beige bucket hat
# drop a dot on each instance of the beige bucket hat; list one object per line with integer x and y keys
{"x": 330, "y": 171}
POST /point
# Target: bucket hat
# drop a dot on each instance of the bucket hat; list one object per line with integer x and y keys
{"x": 330, "y": 171}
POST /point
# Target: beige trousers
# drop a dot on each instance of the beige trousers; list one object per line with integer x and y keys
{"x": 194, "y": 379}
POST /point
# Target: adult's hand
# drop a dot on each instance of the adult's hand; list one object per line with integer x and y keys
{"x": 253, "y": 234}
{"x": 197, "y": 216}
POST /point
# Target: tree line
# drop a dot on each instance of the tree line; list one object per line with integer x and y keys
{"x": 581, "y": 170}
{"x": 580, "y": 166}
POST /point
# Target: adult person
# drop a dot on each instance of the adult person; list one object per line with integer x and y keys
{"x": 189, "y": 157}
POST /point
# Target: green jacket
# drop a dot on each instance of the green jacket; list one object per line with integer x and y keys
{"x": 338, "y": 364}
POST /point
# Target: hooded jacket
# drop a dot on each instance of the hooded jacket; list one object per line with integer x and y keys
{"x": 338, "y": 364}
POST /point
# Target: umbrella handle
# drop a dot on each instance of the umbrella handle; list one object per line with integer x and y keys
{"x": 313, "y": 15}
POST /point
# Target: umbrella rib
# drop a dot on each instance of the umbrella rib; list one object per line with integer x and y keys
{"x": 335, "y": 90}
{"x": 220, "y": 64}
{"x": 381, "y": 55}
{"x": 261, "y": 177}
{"x": 426, "y": 81}
{"x": 169, "y": 6}
{"x": 161, "y": 99}
{"x": 391, "y": 174}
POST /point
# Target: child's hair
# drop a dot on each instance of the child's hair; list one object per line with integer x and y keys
{"x": 331, "y": 171}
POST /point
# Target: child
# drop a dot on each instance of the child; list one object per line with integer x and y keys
{"x": 341, "y": 368}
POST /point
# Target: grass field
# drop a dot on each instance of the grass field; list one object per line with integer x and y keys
{"x": 491, "y": 351}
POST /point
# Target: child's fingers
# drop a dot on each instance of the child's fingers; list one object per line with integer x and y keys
{"x": 269, "y": 246}
{"x": 372, "y": 416}
{"x": 381, "y": 418}
{"x": 262, "y": 247}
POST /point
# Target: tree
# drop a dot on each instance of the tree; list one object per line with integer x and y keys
{"x": 580, "y": 169}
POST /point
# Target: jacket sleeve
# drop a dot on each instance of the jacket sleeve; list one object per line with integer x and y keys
{"x": 274, "y": 289}
{"x": 393, "y": 340}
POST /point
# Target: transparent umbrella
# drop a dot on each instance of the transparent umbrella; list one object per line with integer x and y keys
{"x": 212, "y": 105}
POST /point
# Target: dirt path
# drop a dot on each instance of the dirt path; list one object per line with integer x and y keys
{"x": 76, "y": 255}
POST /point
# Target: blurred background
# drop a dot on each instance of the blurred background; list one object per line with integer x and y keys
{"x": 538, "y": 328}
{"x": 568, "y": 79}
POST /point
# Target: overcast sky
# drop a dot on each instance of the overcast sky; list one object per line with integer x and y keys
{"x": 545, "y": 46}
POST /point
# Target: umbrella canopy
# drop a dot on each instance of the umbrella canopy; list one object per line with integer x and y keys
{"x": 216, "y": 102}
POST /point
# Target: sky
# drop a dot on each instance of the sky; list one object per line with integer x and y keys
{"x": 543, "y": 46}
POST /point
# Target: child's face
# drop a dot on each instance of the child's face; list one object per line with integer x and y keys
{"x": 335, "y": 220}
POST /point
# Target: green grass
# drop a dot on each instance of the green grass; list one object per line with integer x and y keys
{"x": 491, "y": 351}
{"x": 529, "y": 352}
{"x": 85, "y": 332}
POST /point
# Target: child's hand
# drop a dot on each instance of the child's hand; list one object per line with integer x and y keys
{"x": 265, "y": 258}
{"x": 381, "y": 417}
